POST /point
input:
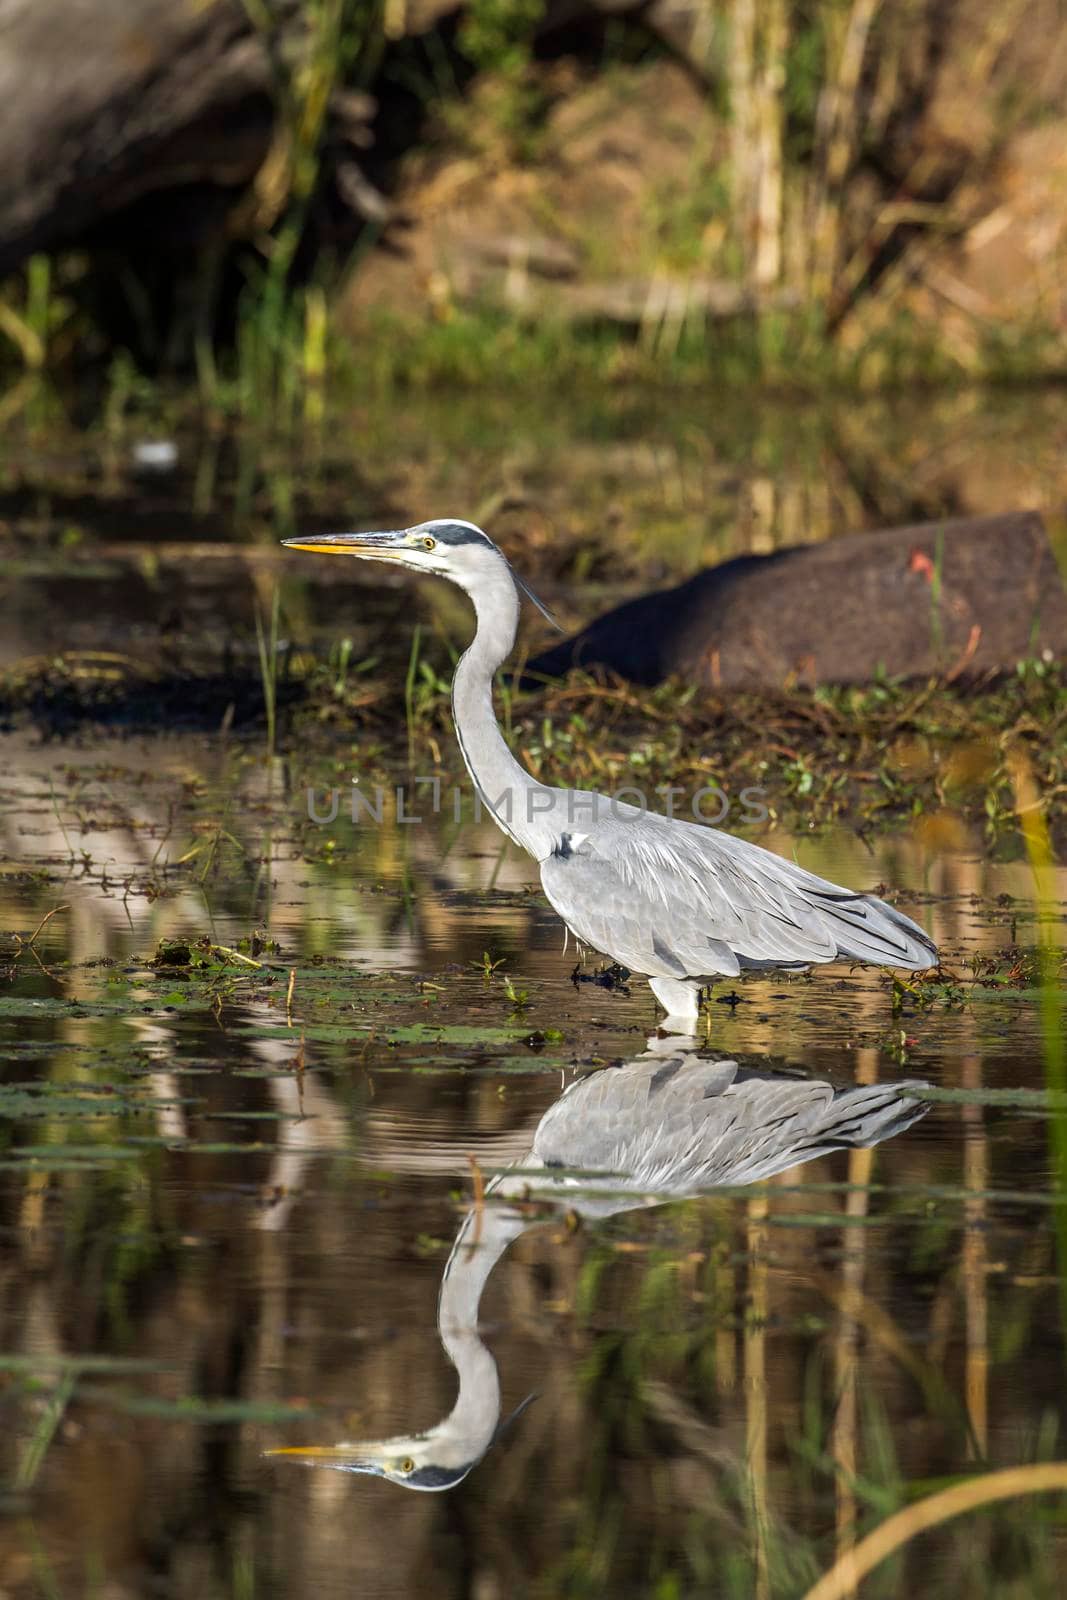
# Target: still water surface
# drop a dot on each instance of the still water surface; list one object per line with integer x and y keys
{"x": 229, "y": 1192}
{"x": 228, "y": 1208}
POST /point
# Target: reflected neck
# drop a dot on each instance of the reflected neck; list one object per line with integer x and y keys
{"x": 480, "y": 1243}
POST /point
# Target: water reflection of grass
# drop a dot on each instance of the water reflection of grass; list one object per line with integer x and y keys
{"x": 653, "y": 1457}
{"x": 737, "y": 1516}
{"x": 933, "y": 1512}
{"x": 714, "y": 1337}
{"x": 1033, "y": 819}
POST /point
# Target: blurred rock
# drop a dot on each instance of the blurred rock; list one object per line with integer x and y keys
{"x": 103, "y": 101}
{"x": 953, "y": 599}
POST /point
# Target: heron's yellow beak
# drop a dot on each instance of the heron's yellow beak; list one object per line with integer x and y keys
{"x": 378, "y": 546}
{"x": 315, "y": 1452}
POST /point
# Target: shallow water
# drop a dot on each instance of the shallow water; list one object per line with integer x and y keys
{"x": 255, "y": 1069}
{"x": 227, "y": 1208}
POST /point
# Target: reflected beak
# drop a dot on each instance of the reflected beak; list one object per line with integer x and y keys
{"x": 347, "y": 1458}
{"x": 371, "y": 546}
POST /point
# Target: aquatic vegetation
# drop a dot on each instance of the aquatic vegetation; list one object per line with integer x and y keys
{"x": 872, "y": 757}
{"x": 267, "y": 642}
{"x": 938, "y": 755}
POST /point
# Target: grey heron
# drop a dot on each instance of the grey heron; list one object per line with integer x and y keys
{"x": 678, "y": 901}
{"x": 666, "y": 1125}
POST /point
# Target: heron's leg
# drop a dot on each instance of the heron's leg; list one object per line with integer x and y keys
{"x": 680, "y": 998}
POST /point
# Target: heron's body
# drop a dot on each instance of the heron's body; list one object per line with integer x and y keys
{"x": 680, "y": 902}
{"x": 667, "y": 1124}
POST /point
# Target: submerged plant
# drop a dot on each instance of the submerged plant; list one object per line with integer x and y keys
{"x": 267, "y": 642}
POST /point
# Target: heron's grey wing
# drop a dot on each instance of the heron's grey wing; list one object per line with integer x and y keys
{"x": 609, "y": 892}
{"x": 860, "y": 927}
{"x": 672, "y": 899}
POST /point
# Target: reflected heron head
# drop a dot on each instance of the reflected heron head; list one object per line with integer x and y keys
{"x": 431, "y": 1461}
{"x": 424, "y": 1461}
{"x": 445, "y": 546}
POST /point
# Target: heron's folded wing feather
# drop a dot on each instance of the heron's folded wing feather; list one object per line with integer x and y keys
{"x": 861, "y": 926}
{"x": 659, "y": 925}
{"x": 672, "y": 899}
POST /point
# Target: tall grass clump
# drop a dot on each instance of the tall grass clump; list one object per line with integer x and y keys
{"x": 283, "y": 347}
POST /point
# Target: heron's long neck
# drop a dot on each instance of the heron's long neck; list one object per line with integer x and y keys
{"x": 503, "y": 786}
{"x": 481, "y": 1242}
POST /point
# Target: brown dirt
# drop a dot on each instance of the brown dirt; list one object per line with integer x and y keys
{"x": 474, "y": 221}
{"x": 597, "y": 196}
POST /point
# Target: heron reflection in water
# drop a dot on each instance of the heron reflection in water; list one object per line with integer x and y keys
{"x": 668, "y": 1124}
{"x": 678, "y": 901}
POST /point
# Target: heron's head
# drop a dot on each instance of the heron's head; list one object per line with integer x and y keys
{"x": 448, "y": 548}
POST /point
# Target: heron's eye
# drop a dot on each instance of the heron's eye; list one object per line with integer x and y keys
{"x": 429, "y": 544}
{"x": 407, "y": 1465}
